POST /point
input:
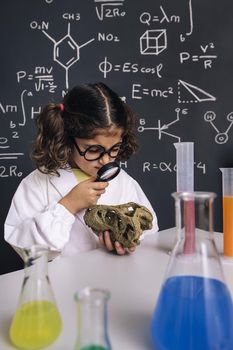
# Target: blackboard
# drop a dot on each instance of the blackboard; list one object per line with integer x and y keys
{"x": 172, "y": 61}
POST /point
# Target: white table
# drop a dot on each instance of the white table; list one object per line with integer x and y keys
{"x": 133, "y": 280}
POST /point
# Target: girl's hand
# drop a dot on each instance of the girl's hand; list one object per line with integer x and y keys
{"x": 83, "y": 195}
{"x": 105, "y": 240}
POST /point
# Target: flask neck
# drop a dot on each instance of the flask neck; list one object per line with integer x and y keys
{"x": 36, "y": 284}
{"x": 195, "y": 252}
{"x": 36, "y": 262}
{"x": 194, "y": 214}
{"x": 92, "y": 320}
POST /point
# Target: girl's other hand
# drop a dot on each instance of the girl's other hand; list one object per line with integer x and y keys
{"x": 105, "y": 240}
{"x": 83, "y": 195}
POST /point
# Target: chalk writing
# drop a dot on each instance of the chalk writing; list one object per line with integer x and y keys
{"x": 109, "y": 9}
{"x": 204, "y": 57}
{"x": 138, "y": 92}
{"x": 12, "y": 170}
{"x": 127, "y": 67}
{"x": 148, "y": 18}
{"x": 169, "y": 167}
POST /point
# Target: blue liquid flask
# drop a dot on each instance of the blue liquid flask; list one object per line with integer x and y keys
{"x": 194, "y": 310}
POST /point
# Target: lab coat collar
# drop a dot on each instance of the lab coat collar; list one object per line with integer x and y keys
{"x": 65, "y": 182}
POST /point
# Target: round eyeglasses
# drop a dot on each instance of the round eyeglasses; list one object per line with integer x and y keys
{"x": 95, "y": 152}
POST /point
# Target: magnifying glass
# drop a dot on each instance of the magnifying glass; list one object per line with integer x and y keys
{"x": 108, "y": 172}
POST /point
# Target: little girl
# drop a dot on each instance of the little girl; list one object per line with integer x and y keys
{"x": 92, "y": 127}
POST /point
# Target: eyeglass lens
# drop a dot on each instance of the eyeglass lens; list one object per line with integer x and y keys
{"x": 96, "y": 151}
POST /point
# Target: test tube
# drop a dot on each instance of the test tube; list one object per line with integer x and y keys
{"x": 185, "y": 183}
{"x": 227, "y": 198}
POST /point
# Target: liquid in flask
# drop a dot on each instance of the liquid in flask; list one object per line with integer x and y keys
{"x": 194, "y": 309}
{"x": 37, "y": 322}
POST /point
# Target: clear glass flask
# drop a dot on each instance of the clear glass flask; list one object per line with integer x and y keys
{"x": 36, "y": 322}
{"x": 92, "y": 319}
{"x": 194, "y": 309}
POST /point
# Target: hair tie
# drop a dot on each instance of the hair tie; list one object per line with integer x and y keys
{"x": 62, "y": 107}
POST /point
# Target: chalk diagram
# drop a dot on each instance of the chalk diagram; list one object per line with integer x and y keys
{"x": 161, "y": 128}
{"x": 153, "y": 42}
{"x": 197, "y": 94}
{"x": 71, "y": 51}
{"x": 221, "y": 137}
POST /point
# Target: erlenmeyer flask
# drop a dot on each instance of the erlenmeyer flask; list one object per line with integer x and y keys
{"x": 194, "y": 309}
{"x": 36, "y": 322}
{"x": 92, "y": 319}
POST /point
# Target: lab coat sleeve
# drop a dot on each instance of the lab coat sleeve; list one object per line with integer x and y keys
{"x": 31, "y": 220}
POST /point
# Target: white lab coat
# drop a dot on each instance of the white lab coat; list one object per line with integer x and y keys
{"x": 36, "y": 217}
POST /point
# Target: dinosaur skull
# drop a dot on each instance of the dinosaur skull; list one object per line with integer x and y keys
{"x": 125, "y": 222}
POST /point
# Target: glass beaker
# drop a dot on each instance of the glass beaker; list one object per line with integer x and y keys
{"x": 227, "y": 201}
{"x": 92, "y": 319}
{"x": 36, "y": 322}
{"x": 194, "y": 309}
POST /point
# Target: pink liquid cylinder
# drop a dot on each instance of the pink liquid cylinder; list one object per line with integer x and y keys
{"x": 189, "y": 226}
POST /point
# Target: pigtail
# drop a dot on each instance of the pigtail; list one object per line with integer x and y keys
{"x": 50, "y": 151}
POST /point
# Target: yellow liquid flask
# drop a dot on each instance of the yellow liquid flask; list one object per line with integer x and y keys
{"x": 92, "y": 319}
{"x": 36, "y": 322}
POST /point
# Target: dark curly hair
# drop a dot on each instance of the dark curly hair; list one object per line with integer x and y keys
{"x": 85, "y": 109}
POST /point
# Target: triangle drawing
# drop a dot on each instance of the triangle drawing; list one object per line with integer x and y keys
{"x": 198, "y": 95}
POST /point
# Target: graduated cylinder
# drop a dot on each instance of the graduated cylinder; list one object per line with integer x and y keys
{"x": 227, "y": 199}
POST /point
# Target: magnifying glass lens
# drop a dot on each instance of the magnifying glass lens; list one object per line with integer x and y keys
{"x": 108, "y": 172}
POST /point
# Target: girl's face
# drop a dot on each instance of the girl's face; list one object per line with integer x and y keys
{"x": 104, "y": 138}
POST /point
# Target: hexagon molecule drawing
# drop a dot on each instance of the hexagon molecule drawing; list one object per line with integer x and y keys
{"x": 66, "y": 51}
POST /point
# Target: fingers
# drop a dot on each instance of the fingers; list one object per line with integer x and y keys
{"x": 96, "y": 185}
{"x": 97, "y": 189}
{"x": 90, "y": 191}
{"x": 120, "y": 249}
{"x": 104, "y": 238}
{"x": 132, "y": 249}
{"x": 101, "y": 238}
